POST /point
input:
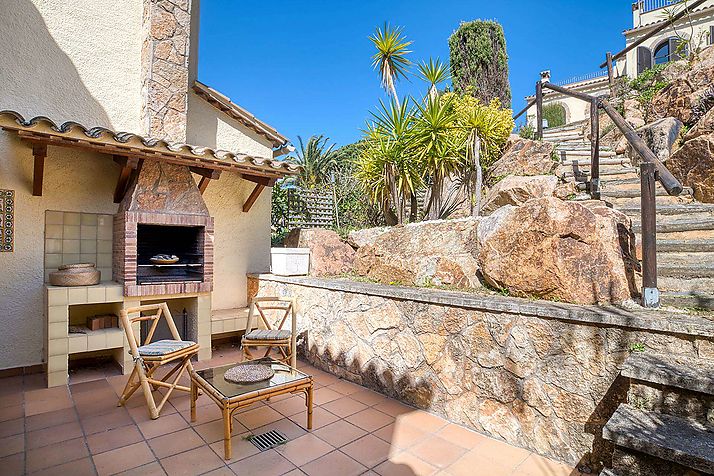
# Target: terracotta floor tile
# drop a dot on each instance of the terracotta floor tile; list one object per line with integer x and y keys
{"x": 322, "y": 377}
{"x": 141, "y": 413}
{"x": 87, "y": 398}
{"x": 285, "y": 426}
{"x": 107, "y": 421}
{"x": 190, "y": 463}
{"x": 295, "y": 472}
{"x": 222, "y": 471}
{"x": 113, "y": 439}
{"x": 370, "y": 419}
{"x": 476, "y": 463}
{"x": 13, "y": 465}
{"x": 56, "y": 454}
{"x": 266, "y": 463}
{"x": 98, "y": 407}
{"x": 393, "y": 408}
{"x": 405, "y": 464}
{"x": 204, "y": 414}
{"x": 11, "y": 412}
{"x": 46, "y": 420}
{"x": 169, "y": 445}
{"x": 151, "y": 469}
{"x": 46, "y": 394}
{"x": 368, "y": 397}
{"x": 437, "y": 451}
{"x": 34, "y": 382}
{"x": 258, "y": 417}
{"x": 344, "y": 407}
{"x": 241, "y": 448}
{"x": 11, "y": 399}
{"x": 213, "y": 430}
{"x": 122, "y": 459}
{"x": 304, "y": 449}
{"x": 536, "y": 465}
{"x": 47, "y": 400}
{"x": 12, "y": 427}
{"x": 368, "y": 450}
{"x": 90, "y": 386}
{"x": 11, "y": 445}
{"x": 423, "y": 420}
{"x": 345, "y": 387}
{"x": 54, "y": 434}
{"x": 401, "y": 436}
{"x": 501, "y": 452}
{"x": 461, "y": 436}
{"x": 290, "y": 406}
{"x": 333, "y": 463}
{"x": 340, "y": 433}
{"x": 162, "y": 425}
{"x": 80, "y": 467}
{"x": 320, "y": 418}
{"x": 324, "y": 395}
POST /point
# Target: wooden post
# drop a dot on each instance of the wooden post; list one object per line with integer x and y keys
{"x": 650, "y": 293}
{"x": 594, "y": 150}
{"x": 39, "y": 151}
{"x": 610, "y": 73}
{"x": 539, "y": 110}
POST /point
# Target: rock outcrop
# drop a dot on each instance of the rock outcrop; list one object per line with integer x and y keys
{"x": 661, "y": 136}
{"x": 516, "y": 190}
{"x": 633, "y": 112}
{"x": 682, "y": 95}
{"x": 329, "y": 255}
{"x": 366, "y": 236}
{"x": 524, "y": 157}
{"x": 440, "y": 252}
{"x": 704, "y": 126}
{"x": 693, "y": 165}
{"x": 558, "y": 250}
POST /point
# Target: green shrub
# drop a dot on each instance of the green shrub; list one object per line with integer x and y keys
{"x": 527, "y": 131}
{"x": 555, "y": 114}
{"x": 479, "y": 62}
{"x": 649, "y": 83}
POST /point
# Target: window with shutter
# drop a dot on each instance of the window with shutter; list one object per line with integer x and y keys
{"x": 644, "y": 59}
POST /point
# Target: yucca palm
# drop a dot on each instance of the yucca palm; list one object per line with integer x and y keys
{"x": 316, "y": 159}
{"x": 390, "y": 60}
{"x": 433, "y": 72}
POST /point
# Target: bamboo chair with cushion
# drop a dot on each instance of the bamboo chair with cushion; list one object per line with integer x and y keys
{"x": 150, "y": 356}
{"x": 280, "y": 338}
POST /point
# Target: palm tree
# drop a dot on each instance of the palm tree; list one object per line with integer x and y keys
{"x": 391, "y": 57}
{"x": 433, "y": 72}
{"x": 317, "y": 161}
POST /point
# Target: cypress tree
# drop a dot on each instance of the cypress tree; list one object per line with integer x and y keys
{"x": 479, "y": 62}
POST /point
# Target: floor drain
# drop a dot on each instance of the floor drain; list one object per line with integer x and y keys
{"x": 267, "y": 440}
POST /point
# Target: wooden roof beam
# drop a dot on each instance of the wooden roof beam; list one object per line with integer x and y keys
{"x": 39, "y": 152}
{"x": 253, "y": 197}
{"x": 129, "y": 165}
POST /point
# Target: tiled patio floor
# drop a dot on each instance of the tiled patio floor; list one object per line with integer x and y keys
{"x": 80, "y": 431}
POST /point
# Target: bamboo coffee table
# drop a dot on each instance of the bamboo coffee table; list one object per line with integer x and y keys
{"x": 230, "y": 397}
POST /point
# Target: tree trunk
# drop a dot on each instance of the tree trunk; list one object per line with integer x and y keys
{"x": 476, "y": 151}
{"x": 414, "y": 208}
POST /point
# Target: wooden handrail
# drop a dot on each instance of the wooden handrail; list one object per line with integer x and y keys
{"x": 528, "y": 106}
{"x": 649, "y": 35}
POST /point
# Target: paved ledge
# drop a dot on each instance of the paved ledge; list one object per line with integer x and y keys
{"x": 658, "y": 321}
{"x": 675, "y": 371}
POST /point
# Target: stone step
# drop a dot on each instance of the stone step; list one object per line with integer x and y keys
{"x": 585, "y": 162}
{"x": 688, "y": 299}
{"x": 678, "y": 224}
{"x": 609, "y": 172}
{"x": 567, "y": 127}
{"x": 661, "y": 201}
{"x": 575, "y": 153}
{"x": 675, "y": 209}
{"x": 666, "y": 437}
{"x": 633, "y": 180}
{"x": 678, "y": 258}
{"x": 685, "y": 246}
{"x": 671, "y": 371}
{"x": 660, "y": 191}
{"x": 685, "y": 270}
{"x": 675, "y": 284}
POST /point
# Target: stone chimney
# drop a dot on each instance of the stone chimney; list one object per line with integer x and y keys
{"x": 166, "y": 67}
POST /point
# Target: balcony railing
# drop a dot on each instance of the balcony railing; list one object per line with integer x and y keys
{"x": 582, "y": 77}
{"x": 650, "y": 5}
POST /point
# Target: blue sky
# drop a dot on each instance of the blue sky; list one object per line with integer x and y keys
{"x": 305, "y": 67}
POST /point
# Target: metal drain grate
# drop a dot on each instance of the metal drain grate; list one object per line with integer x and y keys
{"x": 269, "y": 439}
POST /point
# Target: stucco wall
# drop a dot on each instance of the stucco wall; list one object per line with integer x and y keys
{"x": 242, "y": 240}
{"x": 577, "y": 110}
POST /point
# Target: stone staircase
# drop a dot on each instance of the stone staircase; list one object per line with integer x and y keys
{"x": 667, "y": 424}
{"x": 685, "y": 227}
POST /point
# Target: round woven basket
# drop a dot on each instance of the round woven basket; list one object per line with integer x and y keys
{"x": 63, "y": 267}
{"x": 76, "y": 277}
{"x": 248, "y": 373}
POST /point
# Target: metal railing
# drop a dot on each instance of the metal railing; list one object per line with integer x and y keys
{"x": 582, "y": 77}
{"x": 651, "y": 170}
{"x": 646, "y": 6}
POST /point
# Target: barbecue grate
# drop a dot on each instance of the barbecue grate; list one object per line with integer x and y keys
{"x": 269, "y": 439}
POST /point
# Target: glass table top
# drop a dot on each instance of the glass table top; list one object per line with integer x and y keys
{"x": 283, "y": 375}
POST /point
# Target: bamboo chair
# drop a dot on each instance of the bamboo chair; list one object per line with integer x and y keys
{"x": 152, "y": 355}
{"x": 280, "y": 337}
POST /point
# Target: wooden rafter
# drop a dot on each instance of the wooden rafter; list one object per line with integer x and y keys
{"x": 253, "y": 197}
{"x": 261, "y": 183}
{"x": 39, "y": 152}
{"x": 128, "y": 166}
{"x": 206, "y": 176}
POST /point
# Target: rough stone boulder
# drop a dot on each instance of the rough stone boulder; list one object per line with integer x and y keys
{"x": 661, "y": 136}
{"x": 329, "y": 255}
{"x": 704, "y": 126}
{"x": 693, "y": 165}
{"x": 682, "y": 95}
{"x": 516, "y": 190}
{"x": 367, "y": 236}
{"x": 553, "y": 249}
{"x": 524, "y": 157}
{"x": 633, "y": 112}
{"x": 440, "y": 252}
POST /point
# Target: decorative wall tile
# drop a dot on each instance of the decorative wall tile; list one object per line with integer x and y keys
{"x": 7, "y": 220}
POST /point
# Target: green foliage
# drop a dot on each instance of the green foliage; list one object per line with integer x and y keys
{"x": 637, "y": 347}
{"x": 433, "y": 72}
{"x": 526, "y": 131}
{"x": 649, "y": 83}
{"x": 316, "y": 159}
{"x": 555, "y": 114}
{"x": 479, "y": 62}
{"x": 390, "y": 60}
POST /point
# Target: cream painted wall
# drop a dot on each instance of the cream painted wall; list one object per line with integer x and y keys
{"x": 242, "y": 240}
{"x": 69, "y": 61}
{"x": 577, "y": 110}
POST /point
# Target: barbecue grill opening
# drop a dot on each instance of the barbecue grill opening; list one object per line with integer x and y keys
{"x": 186, "y": 242}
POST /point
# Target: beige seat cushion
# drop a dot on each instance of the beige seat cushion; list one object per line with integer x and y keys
{"x": 265, "y": 334}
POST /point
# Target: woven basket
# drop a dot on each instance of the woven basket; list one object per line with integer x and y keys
{"x": 76, "y": 277}
{"x": 76, "y": 266}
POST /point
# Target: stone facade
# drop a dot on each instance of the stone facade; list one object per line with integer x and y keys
{"x": 165, "y": 68}
{"x": 494, "y": 364}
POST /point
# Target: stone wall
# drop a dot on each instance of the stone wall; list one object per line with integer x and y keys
{"x": 544, "y": 376}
